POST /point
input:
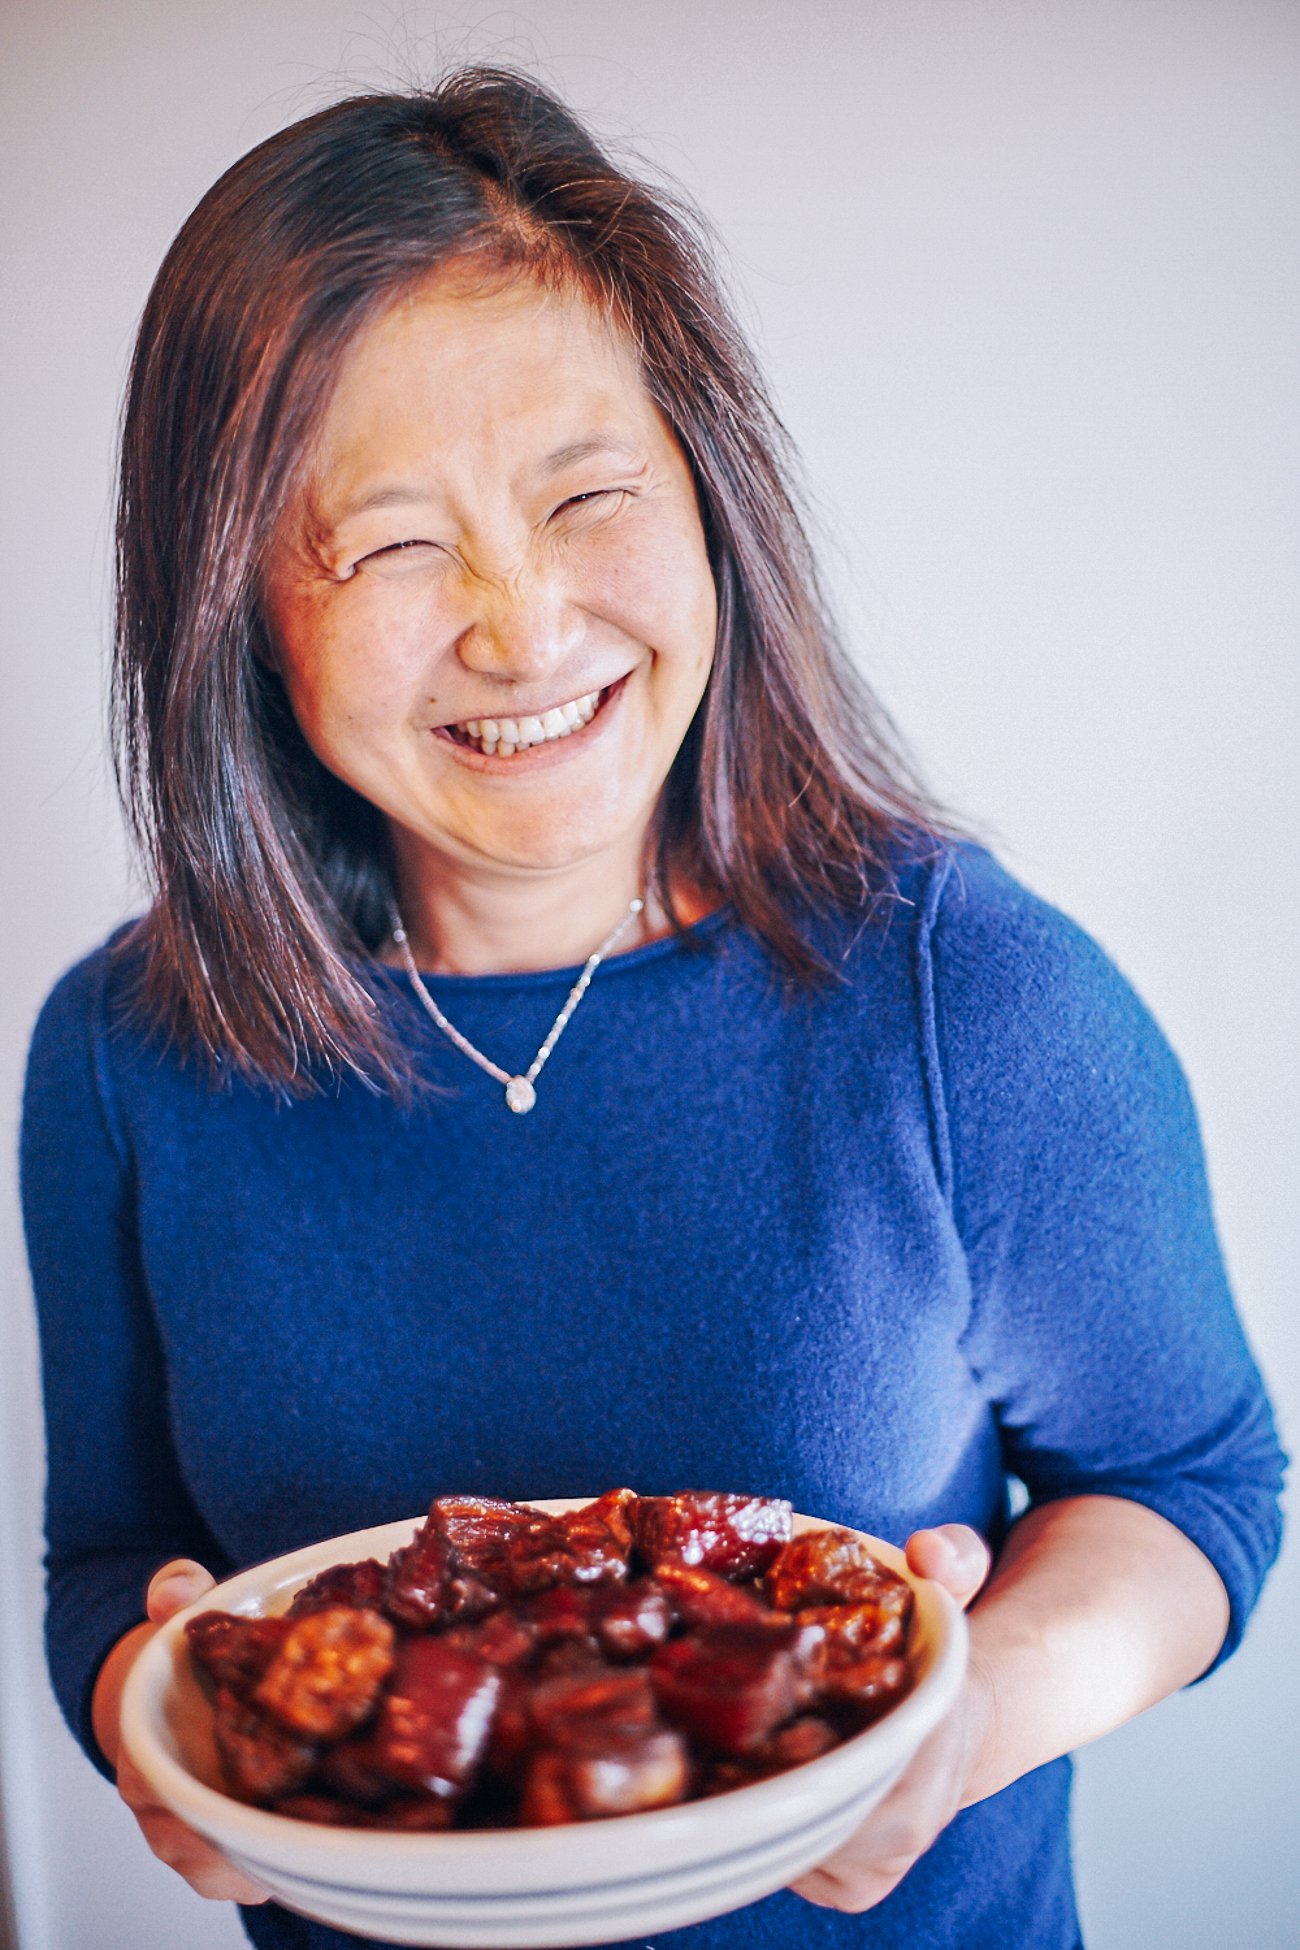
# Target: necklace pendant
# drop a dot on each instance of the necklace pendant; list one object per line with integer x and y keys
{"x": 520, "y": 1094}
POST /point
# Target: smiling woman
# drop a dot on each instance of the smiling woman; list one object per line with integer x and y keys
{"x": 452, "y": 424}
{"x": 471, "y": 664}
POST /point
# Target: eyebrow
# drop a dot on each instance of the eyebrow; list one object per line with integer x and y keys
{"x": 324, "y": 522}
{"x": 587, "y": 448}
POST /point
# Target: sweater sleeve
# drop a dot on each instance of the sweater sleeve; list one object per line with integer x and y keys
{"x": 116, "y": 1505}
{"x": 1101, "y": 1325}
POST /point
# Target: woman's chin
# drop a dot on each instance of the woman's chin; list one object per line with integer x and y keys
{"x": 541, "y": 848}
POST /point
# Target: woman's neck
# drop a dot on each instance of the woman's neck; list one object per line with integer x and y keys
{"x": 464, "y": 922}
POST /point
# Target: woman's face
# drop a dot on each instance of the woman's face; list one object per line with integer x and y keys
{"x": 493, "y": 609}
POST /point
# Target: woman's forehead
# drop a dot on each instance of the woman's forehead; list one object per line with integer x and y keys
{"x": 448, "y": 339}
{"x": 465, "y": 375}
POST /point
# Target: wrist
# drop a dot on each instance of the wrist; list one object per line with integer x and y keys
{"x": 980, "y": 1743}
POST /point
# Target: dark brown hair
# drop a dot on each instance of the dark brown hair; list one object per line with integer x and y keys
{"x": 788, "y": 795}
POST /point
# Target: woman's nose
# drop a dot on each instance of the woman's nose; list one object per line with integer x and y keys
{"x": 521, "y": 629}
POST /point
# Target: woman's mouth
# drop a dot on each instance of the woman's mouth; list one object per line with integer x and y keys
{"x": 503, "y": 737}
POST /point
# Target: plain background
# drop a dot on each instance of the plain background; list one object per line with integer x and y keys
{"x": 1025, "y": 277}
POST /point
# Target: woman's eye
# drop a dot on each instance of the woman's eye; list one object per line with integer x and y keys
{"x": 593, "y": 499}
{"x": 399, "y": 558}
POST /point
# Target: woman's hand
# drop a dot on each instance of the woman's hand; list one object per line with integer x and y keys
{"x": 1099, "y": 1608}
{"x": 172, "y": 1588}
{"x": 924, "y": 1800}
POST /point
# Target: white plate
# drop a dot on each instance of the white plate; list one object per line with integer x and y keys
{"x": 526, "y": 1889}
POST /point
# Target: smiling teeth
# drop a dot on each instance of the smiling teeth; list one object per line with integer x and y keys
{"x": 503, "y": 737}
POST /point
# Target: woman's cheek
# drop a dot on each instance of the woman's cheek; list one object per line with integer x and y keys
{"x": 359, "y": 670}
{"x": 656, "y": 586}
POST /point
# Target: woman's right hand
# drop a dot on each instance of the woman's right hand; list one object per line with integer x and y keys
{"x": 206, "y": 1870}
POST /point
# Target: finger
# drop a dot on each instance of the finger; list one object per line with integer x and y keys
{"x": 203, "y": 1867}
{"x": 875, "y": 1858}
{"x": 174, "y": 1586}
{"x": 181, "y": 1847}
{"x": 830, "y": 1891}
{"x": 954, "y": 1555}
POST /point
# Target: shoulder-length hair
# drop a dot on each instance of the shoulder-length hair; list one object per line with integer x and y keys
{"x": 272, "y": 877}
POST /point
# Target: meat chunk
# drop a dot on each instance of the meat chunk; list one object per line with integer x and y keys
{"x": 361, "y": 1585}
{"x": 498, "y": 1548}
{"x": 587, "y": 1546}
{"x": 832, "y": 1567}
{"x": 416, "y": 1814}
{"x": 731, "y": 1688}
{"x": 790, "y": 1746}
{"x": 261, "y": 1761}
{"x": 798, "y": 1741}
{"x": 319, "y": 1807}
{"x": 630, "y": 1620}
{"x": 617, "y": 1699}
{"x": 234, "y": 1652}
{"x": 701, "y": 1598}
{"x": 480, "y": 1529}
{"x": 598, "y": 1538}
{"x": 457, "y": 1564}
{"x": 508, "y": 1740}
{"x": 352, "y": 1769}
{"x": 435, "y": 1718}
{"x": 599, "y": 1748}
{"x": 417, "y": 1589}
{"x": 501, "y": 1639}
{"x": 325, "y": 1678}
{"x": 733, "y": 1535}
{"x": 475, "y": 1553}
{"x": 854, "y": 1631}
{"x": 607, "y": 1773}
{"x": 863, "y": 1689}
{"x": 562, "y": 1613}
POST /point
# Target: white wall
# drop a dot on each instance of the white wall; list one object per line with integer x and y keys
{"x": 1025, "y": 275}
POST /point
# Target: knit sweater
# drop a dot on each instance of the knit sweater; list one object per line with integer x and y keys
{"x": 881, "y": 1247}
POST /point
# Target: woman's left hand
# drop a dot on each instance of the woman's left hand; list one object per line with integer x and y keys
{"x": 924, "y": 1800}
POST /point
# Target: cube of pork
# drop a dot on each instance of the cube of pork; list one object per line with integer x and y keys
{"x": 703, "y": 1598}
{"x": 434, "y": 1720}
{"x": 863, "y": 1689}
{"x": 731, "y": 1688}
{"x": 325, "y": 1677}
{"x": 234, "y": 1652}
{"x": 260, "y": 1760}
{"x": 733, "y": 1535}
{"x": 361, "y": 1585}
{"x": 598, "y": 1538}
{"x": 832, "y": 1567}
{"x": 854, "y": 1631}
{"x": 618, "y": 1699}
{"x": 630, "y": 1620}
{"x": 605, "y": 1773}
{"x": 418, "y": 1584}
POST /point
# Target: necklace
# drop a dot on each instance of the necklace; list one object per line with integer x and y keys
{"x": 521, "y": 1093}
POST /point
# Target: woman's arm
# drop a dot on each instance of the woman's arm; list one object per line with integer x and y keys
{"x": 1103, "y": 1335}
{"x": 117, "y": 1505}
{"x": 1097, "y": 1609}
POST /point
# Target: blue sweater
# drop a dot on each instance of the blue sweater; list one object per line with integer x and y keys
{"x": 878, "y": 1248}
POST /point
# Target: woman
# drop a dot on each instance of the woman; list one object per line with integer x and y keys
{"x": 468, "y": 636}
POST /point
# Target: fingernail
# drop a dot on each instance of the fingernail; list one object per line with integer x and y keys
{"x": 175, "y": 1589}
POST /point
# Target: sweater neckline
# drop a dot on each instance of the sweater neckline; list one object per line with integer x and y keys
{"x": 535, "y": 978}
